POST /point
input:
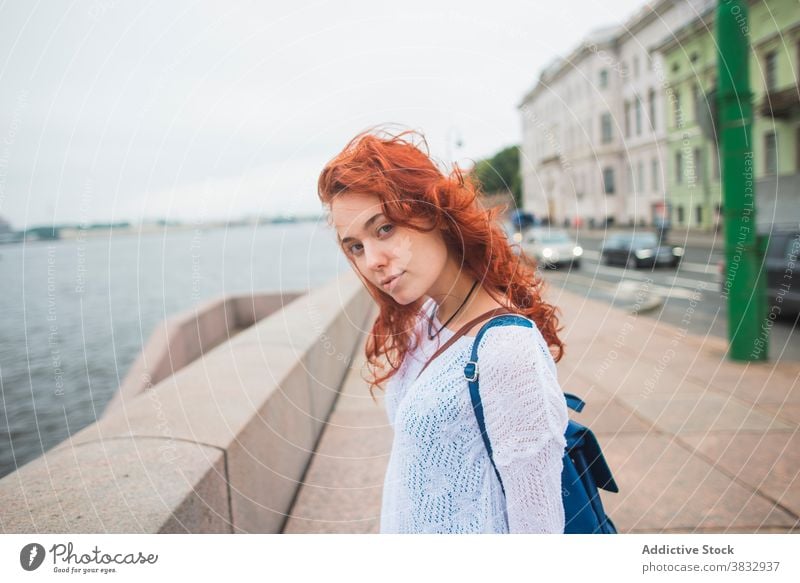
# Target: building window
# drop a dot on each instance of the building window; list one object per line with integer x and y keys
{"x": 678, "y": 168}
{"x": 698, "y": 214}
{"x": 640, "y": 175}
{"x": 635, "y": 67}
{"x": 605, "y": 128}
{"x": 715, "y": 163}
{"x": 678, "y": 117}
{"x": 608, "y": 180}
{"x": 679, "y": 210}
{"x": 770, "y": 153}
{"x": 696, "y": 100}
{"x": 770, "y": 70}
{"x": 655, "y": 174}
{"x": 698, "y": 164}
{"x": 603, "y": 78}
{"x": 797, "y": 145}
{"x": 631, "y": 186}
{"x": 638, "y": 116}
{"x": 627, "y": 119}
{"x": 651, "y": 100}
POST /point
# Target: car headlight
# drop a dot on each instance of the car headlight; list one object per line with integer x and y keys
{"x": 577, "y": 251}
{"x": 644, "y": 253}
{"x": 547, "y": 252}
{"x": 678, "y": 251}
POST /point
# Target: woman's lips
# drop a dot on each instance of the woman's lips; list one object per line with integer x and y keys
{"x": 390, "y": 285}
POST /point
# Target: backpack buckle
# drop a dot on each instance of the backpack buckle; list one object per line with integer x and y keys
{"x": 471, "y": 371}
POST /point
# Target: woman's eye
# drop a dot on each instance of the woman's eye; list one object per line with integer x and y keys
{"x": 356, "y": 248}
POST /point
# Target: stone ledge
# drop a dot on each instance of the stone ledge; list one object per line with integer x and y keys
{"x": 242, "y": 422}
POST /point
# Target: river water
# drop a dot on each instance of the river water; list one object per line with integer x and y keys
{"x": 75, "y": 313}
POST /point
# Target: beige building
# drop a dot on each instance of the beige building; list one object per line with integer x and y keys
{"x": 594, "y": 135}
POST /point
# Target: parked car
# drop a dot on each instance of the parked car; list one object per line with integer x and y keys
{"x": 552, "y": 248}
{"x": 521, "y": 220}
{"x": 780, "y": 263}
{"x": 640, "y": 249}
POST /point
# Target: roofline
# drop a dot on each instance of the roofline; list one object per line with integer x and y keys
{"x": 639, "y": 20}
{"x": 703, "y": 21}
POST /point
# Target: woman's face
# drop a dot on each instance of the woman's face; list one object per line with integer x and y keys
{"x": 400, "y": 261}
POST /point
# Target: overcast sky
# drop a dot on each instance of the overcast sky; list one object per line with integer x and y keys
{"x": 113, "y": 110}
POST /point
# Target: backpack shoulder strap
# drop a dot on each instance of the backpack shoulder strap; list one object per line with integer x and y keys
{"x": 461, "y": 331}
{"x": 471, "y": 373}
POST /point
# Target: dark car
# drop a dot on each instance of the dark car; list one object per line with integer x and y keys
{"x": 780, "y": 265}
{"x": 640, "y": 250}
{"x": 783, "y": 252}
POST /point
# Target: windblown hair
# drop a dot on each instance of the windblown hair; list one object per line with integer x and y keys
{"x": 416, "y": 194}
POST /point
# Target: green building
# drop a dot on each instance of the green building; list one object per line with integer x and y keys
{"x": 689, "y": 77}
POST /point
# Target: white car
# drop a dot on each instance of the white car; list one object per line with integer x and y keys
{"x": 552, "y": 248}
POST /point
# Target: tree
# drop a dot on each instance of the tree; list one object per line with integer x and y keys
{"x": 501, "y": 173}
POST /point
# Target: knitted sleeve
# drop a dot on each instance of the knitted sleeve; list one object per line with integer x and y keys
{"x": 526, "y": 417}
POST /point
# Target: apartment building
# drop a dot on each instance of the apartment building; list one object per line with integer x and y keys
{"x": 690, "y": 60}
{"x": 594, "y": 149}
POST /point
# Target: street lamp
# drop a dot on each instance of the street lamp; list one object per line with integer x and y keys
{"x": 452, "y": 132}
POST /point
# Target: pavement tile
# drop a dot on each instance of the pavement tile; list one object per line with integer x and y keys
{"x": 342, "y": 489}
{"x": 769, "y": 462}
{"x": 760, "y": 386}
{"x": 711, "y": 412}
{"x": 664, "y": 487}
{"x": 788, "y": 412}
{"x": 343, "y": 485}
{"x": 610, "y": 416}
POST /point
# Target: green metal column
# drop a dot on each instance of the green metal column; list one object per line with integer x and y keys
{"x": 744, "y": 280}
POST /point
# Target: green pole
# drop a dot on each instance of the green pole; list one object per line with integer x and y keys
{"x": 744, "y": 280}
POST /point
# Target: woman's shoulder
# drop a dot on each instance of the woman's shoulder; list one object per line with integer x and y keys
{"x": 519, "y": 337}
{"x": 513, "y": 356}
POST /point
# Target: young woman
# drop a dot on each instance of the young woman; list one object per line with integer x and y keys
{"x": 433, "y": 259}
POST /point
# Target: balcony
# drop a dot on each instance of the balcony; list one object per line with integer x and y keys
{"x": 781, "y": 104}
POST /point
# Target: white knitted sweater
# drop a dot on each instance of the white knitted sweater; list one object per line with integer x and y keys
{"x": 439, "y": 477}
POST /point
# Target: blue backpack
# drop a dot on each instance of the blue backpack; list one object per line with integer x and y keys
{"x": 585, "y": 468}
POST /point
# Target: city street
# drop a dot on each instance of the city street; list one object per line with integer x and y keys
{"x": 688, "y": 297}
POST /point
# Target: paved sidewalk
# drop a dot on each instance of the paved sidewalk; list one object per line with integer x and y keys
{"x": 696, "y": 442}
{"x": 341, "y": 491}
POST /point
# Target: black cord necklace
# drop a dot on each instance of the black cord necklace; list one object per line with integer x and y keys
{"x": 431, "y": 336}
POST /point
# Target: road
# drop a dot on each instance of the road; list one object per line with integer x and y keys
{"x": 688, "y": 297}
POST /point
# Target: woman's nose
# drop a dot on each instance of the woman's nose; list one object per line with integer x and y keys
{"x": 375, "y": 256}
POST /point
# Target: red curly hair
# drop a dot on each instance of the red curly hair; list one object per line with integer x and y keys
{"x": 415, "y": 194}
